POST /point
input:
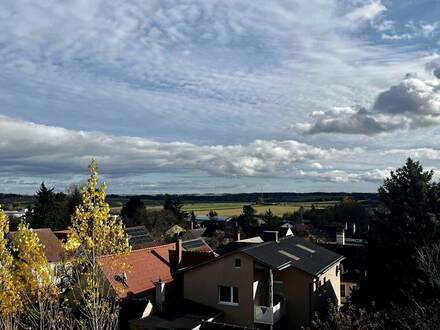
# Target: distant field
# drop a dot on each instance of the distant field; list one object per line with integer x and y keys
{"x": 235, "y": 209}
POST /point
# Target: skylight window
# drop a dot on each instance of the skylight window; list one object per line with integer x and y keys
{"x": 305, "y": 248}
{"x": 287, "y": 254}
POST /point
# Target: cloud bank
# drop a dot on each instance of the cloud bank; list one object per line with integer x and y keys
{"x": 413, "y": 103}
{"x": 38, "y": 149}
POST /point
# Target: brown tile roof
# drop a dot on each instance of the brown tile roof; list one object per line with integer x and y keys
{"x": 145, "y": 267}
{"x": 52, "y": 246}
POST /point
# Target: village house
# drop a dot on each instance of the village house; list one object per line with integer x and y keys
{"x": 281, "y": 282}
{"x": 148, "y": 282}
{"x": 53, "y": 250}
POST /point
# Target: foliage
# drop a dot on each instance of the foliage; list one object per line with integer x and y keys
{"x": 218, "y": 240}
{"x": 409, "y": 222}
{"x": 53, "y": 210}
{"x": 134, "y": 212}
{"x": 347, "y": 210}
{"x": 212, "y": 214}
{"x": 174, "y": 205}
{"x": 10, "y": 287}
{"x": 428, "y": 260}
{"x": 247, "y": 218}
{"x": 41, "y": 294}
{"x": 417, "y": 316}
{"x": 29, "y": 296}
{"x": 94, "y": 234}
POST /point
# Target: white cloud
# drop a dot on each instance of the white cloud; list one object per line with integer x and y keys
{"x": 413, "y": 103}
{"x": 368, "y": 12}
{"x": 31, "y": 148}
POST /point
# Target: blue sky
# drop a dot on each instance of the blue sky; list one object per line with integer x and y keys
{"x": 217, "y": 96}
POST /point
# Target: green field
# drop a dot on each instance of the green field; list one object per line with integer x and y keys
{"x": 235, "y": 209}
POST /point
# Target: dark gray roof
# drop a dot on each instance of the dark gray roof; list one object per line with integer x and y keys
{"x": 293, "y": 251}
{"x": 139, "y": 237}
{"x": 201, "y": 218}
{"x": 198, "y": 244}
{"x": 193, "y": 233}
{"x": 182, "y": 315}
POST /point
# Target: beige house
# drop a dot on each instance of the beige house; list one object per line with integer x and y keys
{"x": 280, "y": 283}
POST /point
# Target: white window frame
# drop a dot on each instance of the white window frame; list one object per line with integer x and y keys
{"x": 228, "y": 303}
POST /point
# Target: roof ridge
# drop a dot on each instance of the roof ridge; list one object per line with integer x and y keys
{"x": 139, "y": 250}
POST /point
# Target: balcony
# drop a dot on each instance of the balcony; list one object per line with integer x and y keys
{"x": 270, "y": 315}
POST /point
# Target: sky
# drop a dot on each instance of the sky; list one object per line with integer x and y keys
{"x": 197, "y": 96}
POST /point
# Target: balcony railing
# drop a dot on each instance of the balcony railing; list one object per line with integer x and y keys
{"x": 270, "y": 315}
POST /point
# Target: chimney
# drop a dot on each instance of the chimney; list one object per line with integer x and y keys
{"x": 236, "y": 233}
{"x": 160, "y": 295}
{"x": 340, "y": 237}
{"x": 271, "y": 235}
{"x": 179, "y": 249}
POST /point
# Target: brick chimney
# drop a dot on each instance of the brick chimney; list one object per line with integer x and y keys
{"x": 160, "y": 295}
{"x": 271, "y": 235}
{"x": 340, "y": 237}
{"x": 236, "y": 233}
{"x": 179, "y": 249}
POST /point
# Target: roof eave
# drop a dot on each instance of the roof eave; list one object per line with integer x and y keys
{"x": 323, "y": 270}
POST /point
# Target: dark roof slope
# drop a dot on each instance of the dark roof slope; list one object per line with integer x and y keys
{"x": 139, "y": 237}
{"x": 252, "y": 231}
{"x": 206, "y": 325}
{"x": 293, "y": 251}
{"x": 193, "y": 234}
{"x": 197, "y": 244}
{"x": 182, "y": 315}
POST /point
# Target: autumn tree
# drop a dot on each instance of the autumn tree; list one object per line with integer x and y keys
{"x": 11, "y": 303}
{"x": 29, "y": 296}
{"x": 94, "y": 234}
{"x": 40, "y": 294}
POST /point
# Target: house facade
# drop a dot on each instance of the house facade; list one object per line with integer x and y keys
{"x": 280, "y": 283}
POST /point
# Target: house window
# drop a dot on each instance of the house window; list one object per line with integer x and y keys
{"x": 227, "y": 295}
{"x": 237, "y": 263}
{"x": 342, "y": 290}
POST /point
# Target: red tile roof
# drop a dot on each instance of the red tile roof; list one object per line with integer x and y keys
{"x": 143, "y": 267}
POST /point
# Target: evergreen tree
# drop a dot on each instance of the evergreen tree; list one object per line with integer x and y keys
{"x": 45, "y": 211}
{"x": 409, "y": 222}
{"x": 174, "y": 206}
{"x": 134, "y": 212}
{"x": 247, "y": 218}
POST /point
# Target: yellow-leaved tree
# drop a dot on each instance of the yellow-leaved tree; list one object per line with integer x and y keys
{"x": 11, "y": 303}
{"x": 94, "y": 233}
{"x": 29, "y": 296}
{"x": 41, "y": 294}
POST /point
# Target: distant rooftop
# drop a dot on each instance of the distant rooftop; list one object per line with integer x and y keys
{"x": 53, "y": 249}
{"x": 139, "y": 237}
{"x": 208, "y": 218}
